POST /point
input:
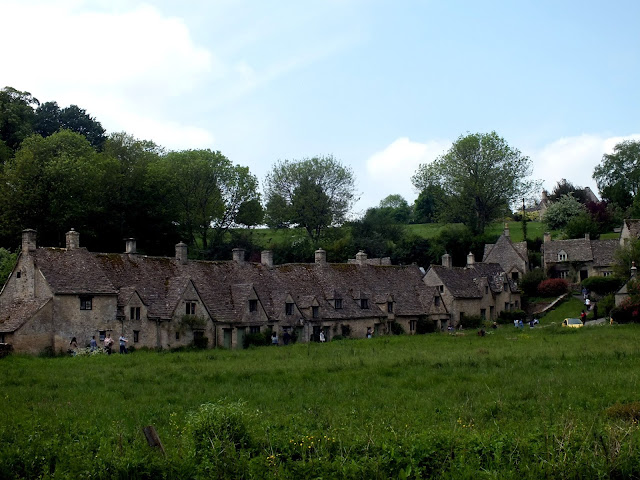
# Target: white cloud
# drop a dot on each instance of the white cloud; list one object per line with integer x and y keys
{"x": 573, "y": 158}
{"x": 390, "y": 170}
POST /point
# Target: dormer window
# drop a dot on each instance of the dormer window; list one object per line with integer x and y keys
{"x": 436, "y": 301}
{"x": 390, "y": 307}
{"x": 338, "y": 303}
{"x": 562, "y": 256}
{"x": 288, "y": 308}
{"x": 18, "y": 274}
{"x": 486, "y": 289}
{"x": 190, "y": 308}
{"x": 441, "y": 288}
{"x": 364, "y": 303}
{"x": 134, "y": 313}
{"x": 253, "y": 305}
{"x": 315, "y": 312}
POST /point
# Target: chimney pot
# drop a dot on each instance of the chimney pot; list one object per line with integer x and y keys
{"x": 130, "y": 245}
{"x": 238, "y": 255}
{"x": 73, "y": 239}
{"x": 320, "y": 256}
{"x": 266, "y": 258}
{"x": 547, "y": 237}
{"x": 447, "y": 261}
{"x": 361, "y": 257}
{"x": 28, "y": 240}
{"x": 471, "y": 259}
{"x": 181, "y": 253}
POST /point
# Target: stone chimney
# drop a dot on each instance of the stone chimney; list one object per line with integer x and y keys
{"x": 507, "y": 233}
{"x": 320, "y": 257}
{"x": 587, "y": 236}
{"x": 28, "y": 240}
{"x": 634, "y": 270}
{"x": 130, "y": 245}
{"x": 361, "y": 257}
{"x": 73, "y": 239}
{"x": 471, "y": 259}
{"x": 447, "y": 261}
{"x": 266, "y": 258}
{"x": 547, "y": 237}
{"x": 238, "y": 255}
{"x": 181, "y": 253}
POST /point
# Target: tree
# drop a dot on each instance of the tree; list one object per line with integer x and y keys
{"x": 563, "y": 187}
{"x": 426, "y": 206}
{"x": 619, "y": 172}
{"x": 481, "y": 176}
{"x": 323, "y": 181}
{"x": 560, "y": 213}
{"x": 16, "y": 116}
{"x": 49, "y": 118}
{"x": 250, "y": 213}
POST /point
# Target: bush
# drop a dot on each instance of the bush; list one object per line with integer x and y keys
{"x": 603, "y": 285}
{"x": 626, "y": 313}
{"x": 425, "y": 325}
{"x": 606, "y": 304}
{"x": 471, "y": 321}
{"x": 257, "y": 340}
{"x": 530, "y": 281}
{"x": 508, "y": 316}
{"x": 201, "y": 342}
{"x": 396, "y": 328}
{"x": 553, "y": 287}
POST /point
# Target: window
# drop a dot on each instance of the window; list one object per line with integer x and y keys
{"x": 177, "y": 335}
{"x": 486, "y": 289}
{"x": 562, "y": 256}
{"x": 506, "y": 306}
{"x": 364, "y": 303}
{"x": 253, "y": 329}
{"x": 412, "y": 325}
{"x": 2, "y": 338}
{"x": 436, "y": 301}
{"x": 563, "y": 274}
{"x": 190, "y": 308}
{"x": 103, "y": 334}
{"x": 517, "y": 304}
{"x": 86, "y": 303}
{"x": 315, "y": 312}
{"x": 136, "y": 335}
{"x": 514, "y": 276}
{"x": 441, "y": 288}
{"x": 506, "y": 286}
{"x": 483, "y": 313}
{"x": 253, "y": 305}
{"x": 607, "y": 274}
{"x": 288, "y": 308}
{"x": 134, "y": 313}
{"x": 390, "y": 307}
{"x": 18, "y": 275}
{"x": 338, "y": 303}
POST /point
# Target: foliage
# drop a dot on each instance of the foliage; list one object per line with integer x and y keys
{"x": 553, "y": 287}
{"x": 472, "y": 321}
{"x": 563, "y": 187}
{"x": 313, "y": 193}
{"x": 508, "y": 316}
{"x": 49, "y": 119}
{"x": 250, "y": 213}
{"x": 428, "y": 204}
{"x": 481, "y": 176}
{"x": 530, "y": 281}
{"x": 397, "y": 328}
{"x": 603, "y": 285}
{"x": 619, "y": 171}
{"x": 192, "y": 322}
{"x": 7, "y": 262}
{"x": 625, "y": 257}
{"x": 561, "y": 212}
{"x": 456, "y": 240}
{"x": 582, "y": 224}
{"x": 16, "y": 117}
{"x": 606, "y": 304}
{"x": 256, "y": 339}
{"x": 425, "y": 325}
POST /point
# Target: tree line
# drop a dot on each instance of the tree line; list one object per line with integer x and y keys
{"x": 60, "y": 170}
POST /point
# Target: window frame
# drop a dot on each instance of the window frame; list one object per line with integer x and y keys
{"x": 190, "y": 308}
{"x": 86, "y": 302}
{"x": 253, "y": 305}
{"x": 288, "y": 308}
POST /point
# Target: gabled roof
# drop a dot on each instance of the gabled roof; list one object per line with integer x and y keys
{"x": 73, "y": 271}
{"x": 600, "y": 252}
{"x": 466, "y": 282}
{"x": 16, "y": 314}
{"x": 506, "y": 253}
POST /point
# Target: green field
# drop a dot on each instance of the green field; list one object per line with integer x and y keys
{"x": 546, "y": 402}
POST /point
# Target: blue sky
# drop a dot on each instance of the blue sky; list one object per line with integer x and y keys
{"x": 381, "y": 85}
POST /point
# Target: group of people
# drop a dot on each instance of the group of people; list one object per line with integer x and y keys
{"x": 588, "y": 305}
{"x": 93, "y": 344}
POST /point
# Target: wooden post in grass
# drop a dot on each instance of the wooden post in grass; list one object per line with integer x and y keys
{"x": 152, "y": 438}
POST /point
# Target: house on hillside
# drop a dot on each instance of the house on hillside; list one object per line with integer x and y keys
{"x": 512, "y": 257}
{"x": 483, "y": 289}
{"x": 578, "y": 258}
{"x": 55, "y": 294}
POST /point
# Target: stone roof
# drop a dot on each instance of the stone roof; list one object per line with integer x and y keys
{"x": 633, "y": 227}
{"x": 600, "y": 252}
{"x": 508, "y": 254}
{"x": 465, "y": 282}
{"x": 16, "y": 314}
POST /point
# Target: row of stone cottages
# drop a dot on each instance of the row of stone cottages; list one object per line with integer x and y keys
{"x": 55, "y": 294}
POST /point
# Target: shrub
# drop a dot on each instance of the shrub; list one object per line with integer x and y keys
{"x": 626, "y": 313}
{"x": 508, "y": 316}
{"x": 346, "y": 330}
{"x": 553, "y": 287}
{"x": 530, "y": 281}
{"x": 201, "y": 342}
{"x": 396, "y": 328}
{"x": 471, "y": 321}
{"x": 256, "y": 339}
{"x": 606, "y": 305}
{"x": 425, "y": 325}
{"x": 603, "y": 285}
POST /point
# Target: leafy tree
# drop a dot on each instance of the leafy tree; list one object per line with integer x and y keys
{"x": 559, "y": 213}
{"x": 323, "y": 181}
{"x": 16, "y": 116}
{"x": 625, "y": 257}
{"x": 563, "y": 187}
{"x": 49, "y": 118}
{"x": 456, "y": 240}
{"x": 396, "y": 208}
{"x": 619, "y": 172}
{"x": 250, "y": 213}
{"x": 582, "y": 224}
{"x": 7, "y": 262}
{"x": 428, "y": 204}
{"x": 481, "y": 176}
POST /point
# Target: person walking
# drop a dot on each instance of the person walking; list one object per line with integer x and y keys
{"x": 93, "y": 344}
{"x": 123, "y": 343}
{"x": 108, "y": 343}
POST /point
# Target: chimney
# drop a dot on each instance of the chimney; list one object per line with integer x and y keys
{"x": 471, "y": 259}
{"x": 587, "y": 236}
{"x": 73, "y": 239}
{"x": 547, "y": 237}
{"x": 130, "y": 245}
{"x": 507, "y": 233}
{"x": 238, "y": 255}
{"x": 320, "y": 257}
{"x": 361, "y": 257}
{"x": 447, "y": 261}
{"x": 28, "y": 240}
{"x": 634, "y": 270}
{"x": 181, "y": 253}
{"x": 266, "y": 258}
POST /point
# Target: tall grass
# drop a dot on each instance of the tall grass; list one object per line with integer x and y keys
{"x": 515, "y": 403}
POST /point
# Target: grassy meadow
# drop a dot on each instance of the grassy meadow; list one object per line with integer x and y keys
{"x": 544, "y": 402}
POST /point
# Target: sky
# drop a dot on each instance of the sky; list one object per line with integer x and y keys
{"x": 382, "y": 85}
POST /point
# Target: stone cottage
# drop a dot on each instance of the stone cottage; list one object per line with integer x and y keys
{"x": 512, "y": 257}
{"x": 54, "y": 294}
{"x": 478, "y": 289}
{"x": 578, "y": 258}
